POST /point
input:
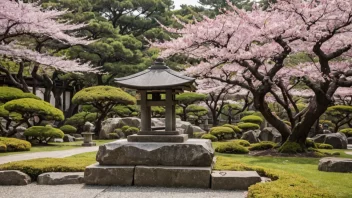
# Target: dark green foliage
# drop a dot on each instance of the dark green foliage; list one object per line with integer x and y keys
{"x": 124, "y": 128}
{"x": 291, "y": 147}
{"x": 248, "y": 126}
{"x": 231, "y": 147}
{"x": 210, "y": 137}
{"x": 222, "y": 132}
{"x": 13, "y": 145}
{"x": 347, "y": 132}
{"x": 264, "y": 145}
{"x": 188, "y": 98}
{"x": 43, "y": 133}
{"x": 327, "y": 122}
{"x": 310, "y": 143}
{"x": 339, "y": 115}
{"x": 158, "y": 111}
{"x": 78, "y": 120}
{"x": 242, "y": 142}
{"x": 113, "y": 136}
{"x": 125, "y": 110}
{"x": 233, "y": 127}
{"x": 196, "y": 111}
{"x": 324, "y": 146}
{"x": 68, "y": 129}
{"x": 252, "y": 119}
{"x": 130, "y": 131}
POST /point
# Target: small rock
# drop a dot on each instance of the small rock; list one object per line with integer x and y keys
{"x": 337, "y": 140}
{"x": 234, "y": 180}
{"x": 68, "y": 138}
{"x": 251, "y": 136}
{"x": 270, "y": 134}
{"x": 14, "y": 177}
{"x": 333, "y": 164}
{"x": 59, "y": 178}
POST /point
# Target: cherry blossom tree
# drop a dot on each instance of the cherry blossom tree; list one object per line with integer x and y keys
{"x": 249, "y": 49}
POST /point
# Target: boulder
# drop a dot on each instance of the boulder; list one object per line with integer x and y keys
{"x": 270, "y": 134}
{"x": 158, "y": 122}
{"x": 109, "y": 125}
{"x": 193, "y": 152}
{"x": 251, "y": 136}
{"x": 14, "y": 177}
{"x": 19, "y": 135}
{"x": 233, "y": 180}
{"x": 334, "y": 164}
{"x": 349, "y": 140}
{"x": 197, "y": 129}
{"x": 132, "y": 121}
{"x": 68, "y": 138}
{"x": 88, "y": 127}
{"x": 120, "y": 135}
{"x": 337, "y": 140}
{"x": 58, "y": 178}
{"x": 21, "y": 129}
{"x": 189, "y": 131}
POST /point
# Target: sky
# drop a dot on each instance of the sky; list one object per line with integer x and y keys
{"x": 188, "y": 2}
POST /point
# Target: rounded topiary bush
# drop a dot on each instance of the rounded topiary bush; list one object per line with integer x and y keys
{"x": 231, "y": 147}
{"x": 43, "y": 133}
{"x": 210, "y": 137}
{"x": 252, "y": 119}
{"x": 113, "y": 136}
{"x": 248, "y": 126}
{"x": 310, "y": 143}
{"x": 222, "y": 132}
{"x": 13, "y": 144}
{"x": 264, "y": 145}
{"x": 130, "y": 131}
{"x": 68, "y": 129}
{"x": 291, "y": 147}
{"x": 233, "y": 127}
{"x": 242, "y": 142}
{"x": 324, "y": 146}
{"x": 347, "y": 132}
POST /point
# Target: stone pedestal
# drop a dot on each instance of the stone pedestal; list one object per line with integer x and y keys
{"x": 157, "y": 138}
{"x": 88, "y": 139}
{"x": 233, "y": 180}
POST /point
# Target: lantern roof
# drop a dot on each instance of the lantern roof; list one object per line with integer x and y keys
{"x": 157, "y": 77}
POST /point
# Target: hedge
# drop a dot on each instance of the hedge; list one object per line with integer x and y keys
{"x": 210, "y": 137}
{"x": 130, "y": 130}
{"x": 13, "y": 144}
{"x": 252, "y": 119}
{"x": 284, "y": 184}
{"x": 242, "y": 142}
{"x": 347, "y": 131}
{"x": 221, "y": 132}
{"x": 290, "y": 147}
{"x": 264, "y": 145}
{"x": 233, "y": 127}
{"x": 43, "y": 133}
{"x": 231, "y": 147}
{"x": 324, "y": 146}
{"x": 113, "y": 136}
{"x": 68, "y": 129}
{"x": 248, "y": 126}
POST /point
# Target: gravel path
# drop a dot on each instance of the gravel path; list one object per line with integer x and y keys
{"x": 84, "y": 191}
{"x": 55, "y": 154}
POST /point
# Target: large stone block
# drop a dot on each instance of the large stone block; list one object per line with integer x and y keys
{"x": 59, "y": 178}
{"x": 109, "y": 175}
{"x": 233, "y": 180}
{"x": 333, "y": 164}
{"x": 14, "y": 177}
{"x": 167, "y": 176}
{"x": 337, "y": 140}
{"x": 193, "y": 152}
{"x": 270, "y": 134}
{"x": 157, "y": 138}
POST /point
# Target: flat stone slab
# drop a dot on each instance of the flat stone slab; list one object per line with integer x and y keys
{"x": 109, "y": 175}
{"x": 14, "y": 177}
{"x": 157, "y": 138}
{"x": 334, "y": 164}
{"x": 59, "y": 178}
{"x": 193, "y": 152}
{"x": 233, "y": 180}
{"x": 165, "y": 176}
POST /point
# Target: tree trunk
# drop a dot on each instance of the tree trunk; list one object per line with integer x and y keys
{"x": 215, "y": 118}
{"x": 184, "y": 114}
{"x": 229, "y": 119}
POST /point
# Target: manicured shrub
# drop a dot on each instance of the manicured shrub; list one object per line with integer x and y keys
{"x": 124, "y": 128}
{"x": 68, "y": 129}
{"x": 43, "y": 133}
{"x": 3, "y": 147}
{"x": 113, "y": 136}
{"x": 248, "y": 126}
{"x": 13, "y": 144}
{"x": 198, "y": 134}
{"x": 310, "y": 143}
{"x": 233, "y": 127}
{"x": 290, "y": 147}
{"x": 252, "y": 119}
{"x": 210, "y": 137}
{"x": 284, "y": 184}
{"x": 242, "y": 142}
{"x": 231, "y": 147}
{"x": 347, "y": 132}
{"x": 222, "y": 132}
{"x": 131, "y": 131}
{"x": 79, "y": 119}
{"x": 264, "y": 145}
{"x": 324, "y": 146}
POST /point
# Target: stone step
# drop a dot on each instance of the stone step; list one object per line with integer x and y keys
{"x": 233, "y": 180}
{"x": 109, "y": 175}
{"x": 59, "y": 178}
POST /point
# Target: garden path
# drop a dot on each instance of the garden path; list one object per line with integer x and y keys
{"x": 84, "y": 191}
{"x": 54, "y": 154}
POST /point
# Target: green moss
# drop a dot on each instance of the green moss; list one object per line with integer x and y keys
{"x": 290, "y": 147}
{"x": 13, "y": 144}
{"x": 198, "y": 134}
{"x": 233, "y": 127}
{"x": 130, "y": 131}
{"x": 231, "y": 147}
{"x": 221, "y": 132}
{"x": 209, "y": 137}
{"x": 68, "y": 129}
{"x": 248, "y": 126}
{"x": 347, "y": 132}
{"x": 43, "y": 133}
{"x": 264, "y": 145}
{"x": 310, "y": 143}
{"x": 252, "y": 119}
{"x": 324, "y": 146}
{"x": 242, "y": 142}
